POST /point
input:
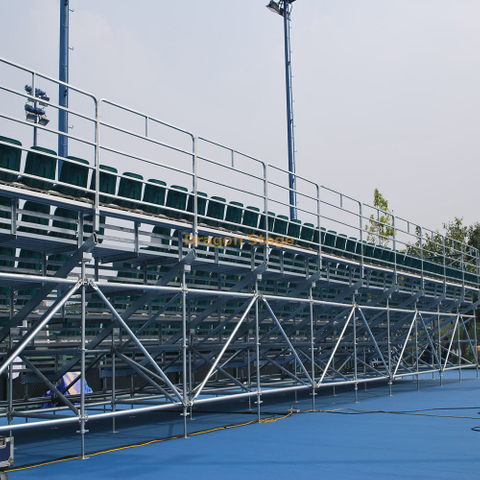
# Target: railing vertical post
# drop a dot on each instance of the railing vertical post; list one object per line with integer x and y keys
{"x": 389, "y": 344}
{"x": 96, "y": 216}
{"x": 195, "y": 190}
{"x": 312, "y": 346}
{"x": 63, "y": 68}
{"x": 82, "y": 361}
{"x": 257, "y": 354}
{"x": 355, "y": 352}
{"x": 362, "y": 270}
{"x": 184, "y": 352}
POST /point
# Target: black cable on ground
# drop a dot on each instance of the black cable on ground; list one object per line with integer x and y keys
{"x": 67, "y": 458}
{"x": 272, "y": 417}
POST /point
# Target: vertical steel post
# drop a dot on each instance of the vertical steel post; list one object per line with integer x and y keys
{"x": 257, "y": 354}
{"x": 292, "y": 182}
{"x": 389, "y": 343}
{"x": 475, "y": 354}
{"x": 459, "y": 346}
{"x": 190, "y": 373}
{"x": 439, "y": 345}
{"x": 82, "y": 364}
{"x": 10, "y": 382}
{"x": 35, "y": 130}
{"x": 312, "y": 346}
{"x": 63, "y": 77}
{"x": 355, "y": 350}
{"x": 113, "y": 381}
{"x": 416, "y": 352}
{"x": 184, "y": 352}
{"x": 249, "y": 374}
{"x": 195, "y": 190}
{"x": 96, "y": 216}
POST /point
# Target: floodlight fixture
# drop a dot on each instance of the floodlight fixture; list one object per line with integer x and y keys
{"x": 34, "y": 109}
{"x": 30, "y": 117}
{"x": 38, "y": 93}
{"x": 275, "y": 7}
{"x": 43, "y": 120}
{"x": 279, "y": 7}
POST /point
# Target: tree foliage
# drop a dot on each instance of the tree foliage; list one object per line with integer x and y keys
{"x": 380, "y": 228}
{"x": 435, "y": 245}
{"x": 474, "y": 235}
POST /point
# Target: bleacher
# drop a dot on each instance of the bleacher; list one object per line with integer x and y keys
{"x": 165, "y": 268}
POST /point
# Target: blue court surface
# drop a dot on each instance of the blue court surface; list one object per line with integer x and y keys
{"x": 411, "y": 434}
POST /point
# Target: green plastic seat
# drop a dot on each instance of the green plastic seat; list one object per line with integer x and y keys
{"x": 130, "y": 187}
{"x": 10, "y": 156}
{"x": 35, "y": 208}
{"x": 306, "y": 235}
{"x": 280, "y": 225}
{"x": 8, "y": 257}
{"x": 400, "y": 259}
{"x": 378, "y": 253}
{"x": 165, "y": 232}
{"x": 294, "y": 228}
{"x": 215, "y": 211}
{"x": 30, "y": 259}
{"x": 341, "y": 244}
{"x": 450, "y": 272}
{"x": 201, "y": 206}
{"x": 293, "y": 232}
{"x": 368, "y": 249}
{"x": 40, "y": 165}
{"x": 329, "y": 243}
{"x": 388, "y": 256}
{"x": 5, "y": 202}
{"x": 65, "y": 213}
{"x": 55, "y": 262}
{"x": 351, "y": 247}
{"x": 271, "y": 221}
{"x": 440, "y": 269}
{"x": 4, "y": 299}
{"x": 108, "y": 183}
{"x": 154, "y": 193}
{"x": 233, "y": 216}
{"x": 250, "y": 220}
{"x": 74, "y": 173}
{"x": 415, "y": 263}
{"x": 471, "y": 277}
{"x": 177, "y": 199}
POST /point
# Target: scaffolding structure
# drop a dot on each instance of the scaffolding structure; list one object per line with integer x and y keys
{"x": 166, "y": 295}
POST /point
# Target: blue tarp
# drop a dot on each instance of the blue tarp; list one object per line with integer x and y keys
{"x": 62, "y": 385}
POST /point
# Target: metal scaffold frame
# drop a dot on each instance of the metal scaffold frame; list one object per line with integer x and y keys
{"x": 160, "y": 303}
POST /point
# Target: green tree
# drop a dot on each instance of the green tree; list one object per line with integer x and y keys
{"x": 380, "y": 229}
{"x": 434, "y": 246}
{"x": 474, "y": 235}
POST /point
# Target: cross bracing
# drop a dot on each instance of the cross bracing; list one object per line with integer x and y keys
{"x": 162, "y": 296}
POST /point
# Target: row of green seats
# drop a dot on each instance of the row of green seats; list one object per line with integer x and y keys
{"x": 176, "y": 202}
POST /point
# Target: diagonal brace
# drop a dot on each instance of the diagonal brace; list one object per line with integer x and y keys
{"x": 139, "y": 344}
{"x": 282, "y": 331}
{"x": 219, "y": 357}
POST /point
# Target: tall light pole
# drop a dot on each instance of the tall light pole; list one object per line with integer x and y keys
{"x": 63, "y": 77}
{"x": 284, "y": 9}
